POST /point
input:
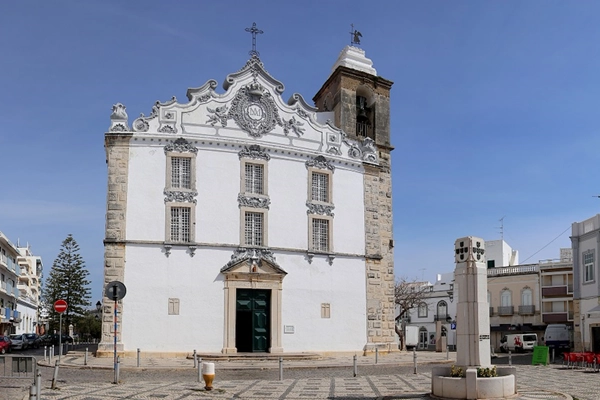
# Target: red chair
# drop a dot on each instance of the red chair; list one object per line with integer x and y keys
{"x": 566, "y": 355}
{"x": 574, "y": 358}
{"x": 589, "y": 359}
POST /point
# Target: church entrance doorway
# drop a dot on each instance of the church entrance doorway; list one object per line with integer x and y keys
{"x": 252, "y": 320}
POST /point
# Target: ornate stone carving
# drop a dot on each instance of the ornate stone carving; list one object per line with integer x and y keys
{"x": 320, "y": 209}
{"x": 253, "y": 201}
{"x": 119, "y": 128}
{"x": 167, "y": 129}
{"x": 369, "y": 150}
{"x": 254, "y": 110}
{"x": 251, "y": 255}
{"x": 181, "y": 146}
{"x": 334, "y": 151}
{"x": 220, "y": 115}
{"x": 321, "y": 163}
{"x": 118, "y": 112}
{"x": 255, "y": 152}
{"x": 175, "y": 196}
{"x": 293, "y": 125}
{"x": 141, "y": 125}
{"x": 354, "y": 151}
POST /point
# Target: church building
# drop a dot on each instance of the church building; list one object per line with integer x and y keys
{"x": 241, "y": 222}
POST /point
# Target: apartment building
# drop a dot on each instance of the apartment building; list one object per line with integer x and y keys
{"x": 9, "y": 293}
{"x": 29, "y": 285}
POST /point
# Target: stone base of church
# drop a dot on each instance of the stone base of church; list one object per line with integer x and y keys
{"x": 389, "y": 347}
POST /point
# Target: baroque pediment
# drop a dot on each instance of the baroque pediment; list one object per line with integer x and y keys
{"x": 251, "y": 107}
{"x": 253, "y": 261}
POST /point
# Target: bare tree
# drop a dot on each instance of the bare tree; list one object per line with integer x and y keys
{"x": 408, "y": 295}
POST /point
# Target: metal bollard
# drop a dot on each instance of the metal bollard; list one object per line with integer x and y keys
{"x": 45, "y": 349}
{"x": 32, "y": 392}
{"x": 199, "y": 368}
{"x": 553, "y": 355}
{"x": 415, "y": 360}
{"x": 376, "y": 354}
{"x": 85, "y": 357}
{"x": 280, "y": 368}
{"x": 117, "y": 370}
{"x": 355, "y": 369}
{"x": 138, "y": 358}
{"x": 195, "y": 361}
{"x": 38, "y": 385}
{"x": 447, "y": 353}
{"x": 509, "y": 358}
{"x": 55, "y": 376}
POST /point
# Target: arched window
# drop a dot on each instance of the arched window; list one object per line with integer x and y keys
{"x": 422, "y": 313}
{"x": 442, "y": 310}
{"x": 505, "y": 298}
{"x": 527, "y": 297}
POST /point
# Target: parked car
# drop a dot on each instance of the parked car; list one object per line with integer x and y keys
{"x": 46, "y": 340}
{"x": 33, "y": 340}
{"x": 51, "y": 339}
{"x": 17, "y": 342}
{"x": 5, "y": 344}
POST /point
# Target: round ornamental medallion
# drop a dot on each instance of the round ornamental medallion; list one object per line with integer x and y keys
{"x": 254, "y": 110}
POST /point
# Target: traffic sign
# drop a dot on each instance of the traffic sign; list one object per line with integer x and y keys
{"x": 60, "y": 306}
{"x": 453, "y": 325}
{"x": 115, "y": 290}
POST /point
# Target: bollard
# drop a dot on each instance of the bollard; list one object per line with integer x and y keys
{"x": 447, "y": 353}
{"x": 553, "y": 356}
{"x": 376, "y": 354}
{"x": 117, "y": 370}
{"x": 208, "y": 373}
{"x": 195, "y": 361}
{"x": 415, "y": 360}
{"x": 199, "y": 369}
{"x": 32, "y": 392}
{"x": 45, "y": 349}
{"x": 51, "y": 353}
{"x": 355, "y": 368}
{"x": 138, "y": 358}
{"x": 85, "y": 357}
{"x": 55, "y": 376}
{"x": 38, "y": 385}
{"x": 509, "y": 358}
{"x": 280, "y": 368}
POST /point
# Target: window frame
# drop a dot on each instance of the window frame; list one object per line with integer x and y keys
{"x": 192, "y": 222}
{"x": 523, "y": 292}
{"x": 329, "y": 174}
{"x": 265, "y": 224}
{"x": 174, "y": 305}
{"x": 589, "y": 267}
{"x": 426, "y": 313}
{"x": 169, "y": 178}
{"x": 510, "y": 302}
{"x": 311, "y": 235}
{"x": 265, "y": 180}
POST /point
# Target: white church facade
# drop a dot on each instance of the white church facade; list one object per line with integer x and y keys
{"x": 240, "y": 222}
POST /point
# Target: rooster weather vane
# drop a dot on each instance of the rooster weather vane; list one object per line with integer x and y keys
{"x": 354, "y": 34}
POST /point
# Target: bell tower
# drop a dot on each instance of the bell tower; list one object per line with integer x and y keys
{"x": 359, "y": 103}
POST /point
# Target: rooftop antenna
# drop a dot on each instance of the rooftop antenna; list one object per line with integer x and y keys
{"x": 502, "y": 227}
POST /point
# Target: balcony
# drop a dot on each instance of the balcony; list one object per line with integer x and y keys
{"x": 16, "y": 316}
{"x": 554, "y": 317}
{"x": 518, "y": 270}
{"x": 441, "y": 317}
{"x": 527, "y": 310}
{"x": 554, "y": 291}
{"x": 506, "y": 311}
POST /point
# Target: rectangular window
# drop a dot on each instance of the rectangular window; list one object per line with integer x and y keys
{"x": 320, "y": 187}
{"x": 325, "y": 310}
{"x": 588, "y": 266}
{"x": 320, "y": 234}
{"x": 180, "y": 224}
{"x": 254, "y": 225}
{"x": 254, "y": 178}
{"x": 181, "y": 172}
{"x": 173, "y": 306}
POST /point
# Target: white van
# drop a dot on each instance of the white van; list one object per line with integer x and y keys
{"x": 518, "y": 342}
{"x": 557, "y": 336}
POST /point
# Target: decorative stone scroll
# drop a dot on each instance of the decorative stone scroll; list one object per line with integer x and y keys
{"x": 320, "y": 209}
{"x": 321, "y": 163}
{"x": 254, "y": 152}
{"x": 176, "y": 196}
{"x": 118, "y": 119}
{"x": 181, "y": 146}
{"x": 251, "y": 255}
{"x": 253, "y": 201}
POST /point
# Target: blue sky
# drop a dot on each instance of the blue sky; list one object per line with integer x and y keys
{"x": 494, "y": 108}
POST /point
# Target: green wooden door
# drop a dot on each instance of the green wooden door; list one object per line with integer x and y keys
{"x": 252, "y": 320}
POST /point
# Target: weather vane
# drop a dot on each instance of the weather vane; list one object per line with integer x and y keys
{"x": 254, "y": 31}
{"x": 354, "y": 35}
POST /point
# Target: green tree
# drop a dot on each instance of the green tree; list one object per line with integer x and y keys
{"x": 67, "y": 281}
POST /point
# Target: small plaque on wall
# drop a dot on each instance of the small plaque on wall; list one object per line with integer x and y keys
{"x": 288, "y": 329}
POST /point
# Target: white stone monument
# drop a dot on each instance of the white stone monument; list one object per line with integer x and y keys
{"x": 472, "y": 318}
